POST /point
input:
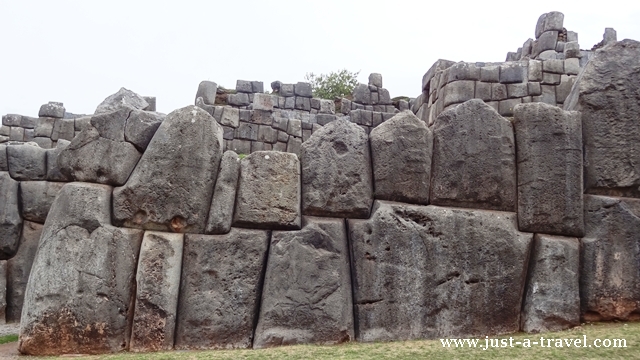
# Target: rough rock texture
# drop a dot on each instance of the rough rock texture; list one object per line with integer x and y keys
{"x": 123, "y": 97}
{"x": 220, "y": 289}
{"x": 549, "y": 169}
{"x": 429, "y": 272}
{"x": 224, "y": 195}
{"x": 19, "y": 267}
{"x": 401, "y": 157}
{"x": 207, "y": 91}
{"x": 53, "y": 169}
{"x": 552, "y": 296}
{"x": 610, "y": 260}
{"x": 606, "y": 94}
{"x": 3, "y": 291}
{"x": 4, "y": 165}
{"x": 10, "y": 219}
{"x": 27, "y": 162}
{"x": 268, "y": 191}
{"x": 336, "y": 172}
{"x": 80, "y": 293}
{"x": 172, "y": 185}
{"x": 141, "y": 126}
{"x": 37, "y": 197}
{"x": 307, "y": 288}
{"x": 473, "y": 158}
{"x": 158, "y": 282}
{"x": 100, "y": 153}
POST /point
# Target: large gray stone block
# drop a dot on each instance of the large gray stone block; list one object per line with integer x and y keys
{"x": 552, "y": 296}
{"x": 93, "y": 158}
{"x": 401, "y": 150}
{"x": 19, "y": 268}
{"x": 63, "y": 129}
{"x": 171, "y": 187}
{"x": 141, "y": 126}
{"x": 207, "y": 91}
{"x": 4, "y": 165}
{"x": 431, "y": 272}
{"x": 158, "y": 283}
{"x": 10, "y": 219}
{"x": 549, "y": 152}
{"x": 123, "y": 97}
{"x": 268, "y": 191}
{"x": 36, "y": 199}
{"x": 474, "y": 160}
{"x": 336, "y": 172}
{"x": 609, "y": 259}
{"x": 224, "y": 195}
{"x": 27, "y": 162}
{"x": 53, "y": 169}
{"x": 220, "y": 289}
{"x": 611, "y": 129}
{"x": 82, "y": 279}
{"x": 307, "y": 288}
{"x": 52, "y": 109}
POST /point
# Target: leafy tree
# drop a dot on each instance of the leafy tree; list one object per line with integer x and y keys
{"x": 334, "y": 85}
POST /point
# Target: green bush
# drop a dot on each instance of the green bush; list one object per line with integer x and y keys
{"x": 336, "y": 84}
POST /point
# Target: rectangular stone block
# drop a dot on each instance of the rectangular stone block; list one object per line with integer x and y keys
{"x": 513, "y": 72}
{"x": 303, "y": 103}
{"x": 63, "y": 129}
{"x": 264, "y": 102}
{"x": 463, "y": 71}
{"x": 506, "y": 107}
{"x": 230, "y": 117}
{"x": 534, "y": 88}
{"x": 572, "y": 66}
{"x": 459, "y": 92}
{"x": 517, "y": 90}
{"x": 247, "y": 131}
{"x": 490, "y": 74}
{"x": 239, "y": 99}
{"x": 267, "y": 134}
{"x": 550, "y": 79}
{"x": 158, "y": 284}
{"x": 498, "y": 92}
{"x": 220, "y": 289}
{"x": 553, "y": 66}
{"x": 483, "y": 91}
{"x": 11, "y": 119}
{"x": 549, "y": 153}
{"x": 263, "y": 117}
{"x": 17, "y": 134}
{"x": 535, "y": 70}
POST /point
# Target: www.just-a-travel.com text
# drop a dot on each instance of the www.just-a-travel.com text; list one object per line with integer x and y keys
{"x": 491, "y": 343}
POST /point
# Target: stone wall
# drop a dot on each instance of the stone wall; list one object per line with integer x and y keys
{"x": 146, "y": 232}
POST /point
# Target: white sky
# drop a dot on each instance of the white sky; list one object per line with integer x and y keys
{"x": 79, "y": 52}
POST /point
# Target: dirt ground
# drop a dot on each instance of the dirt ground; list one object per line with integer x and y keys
{"x": 10, "y": 350}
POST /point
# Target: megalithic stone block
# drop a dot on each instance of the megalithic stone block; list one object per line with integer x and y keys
{"x": 10, "y": 219}
{"x": 549, "y": 152}
{"x": 431, "y": 272}
{"x": 401, "y": 155}
{"x": 552, "y": 297}
{"x": 220, "y": 289}
{"x": 171, "y": 187}
{"x": 474, "y": 161}
{"x": 307, "y": 288}
{"x": 336, "y": 172}
{"x": 37, "y": 197}
{"x": 158, "y": 283}
{"x": 610, "y": 124}
{"x": 224, "y": 195}
{"x": 82, "y": 280}
{"x": 19, "y": 268}
{"x": 268, "y": 191}
{"x": 610, "y": 261}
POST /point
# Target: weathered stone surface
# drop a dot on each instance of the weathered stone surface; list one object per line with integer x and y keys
{"x": 552, "y": 296}
{"x": 19, "y": 267}
{"x": 458, "y": 92}
{"x": 10, "y": 219}
{"x": 11, "y": 119}
{"x": 609, "y": 259}
{"x": 93, "y": 158}
{"x": 158, "y": 283}
{"x": 37, "y": 197}
{"x": 53, "y": 169}
{"x": 307, "y": 288}
{"x": 264, "y": 102}
{"x": 549, "y": 152}
{"x": 27, "y": 162}
{"x": 401, "y": 156}
{"x": 79, "y": 296}
{"x": 172, "y": 185}
{"x": 473, "y": 158}
{"x": 123, "y": 97}
{"x": 224, "y": 195}
{"x": 220, "y": 289}
{"x": 141, "y": 126}
{"x": 4, "y": 165}
{"x": 3, "y": 291}
{"x": 611, "y": 131}
{"x": 268, "y": 191}
{"x": 430, "y": 272}
{"x": 52, "y": 109}
{"x": 513, "y": 72}
{"x": 547, "y": 41}
{"x": 336, "y": 172}
{"x": 207, "y": 91}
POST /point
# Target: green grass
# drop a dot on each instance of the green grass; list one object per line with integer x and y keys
{"x": 8, "y": 338}
{"x": 429, "y": 349}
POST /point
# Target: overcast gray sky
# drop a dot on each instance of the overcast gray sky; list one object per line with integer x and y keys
{"x": 79, "y": 52}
